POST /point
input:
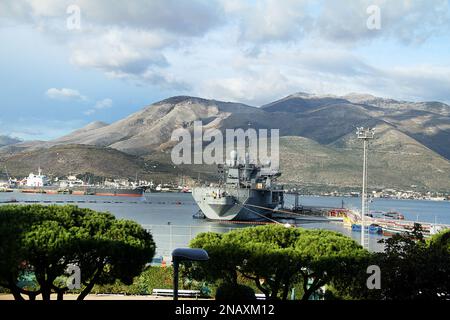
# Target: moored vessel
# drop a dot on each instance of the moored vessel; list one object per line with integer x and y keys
{"x": 245, "y": 191}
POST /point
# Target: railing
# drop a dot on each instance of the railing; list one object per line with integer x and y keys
{"x": 169, "y": 237}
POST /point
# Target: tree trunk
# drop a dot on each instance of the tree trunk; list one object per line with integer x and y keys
{"x": 90, "y": 285}
{"x": 275, "y": 288}
{"x": 16, "y": 293}
{"x": 86, "y": 290}
{"x": 260, "y": 287}
{"x": 46, "y": 293}
{"x": 45, "y": 288}
{"x": 32, "y": 296}
{"x": 59, "y": 292}
{"x": 306, "y": 292}
{"x": 314, "y": 286}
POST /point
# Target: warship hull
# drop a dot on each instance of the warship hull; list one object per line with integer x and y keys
{"x": 236, "y": 204}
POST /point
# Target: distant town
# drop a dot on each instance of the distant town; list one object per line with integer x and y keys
{"x": 183, "y": 184}
{"x": 383, "y": 193}
{"x": 40, "y": 183}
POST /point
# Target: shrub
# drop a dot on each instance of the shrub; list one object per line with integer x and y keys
{"x": 234, "y": 292}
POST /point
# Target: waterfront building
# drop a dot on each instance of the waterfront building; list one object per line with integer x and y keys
{"x": 38, "y": 180}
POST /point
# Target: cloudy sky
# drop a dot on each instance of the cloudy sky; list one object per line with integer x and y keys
{"x": 64, "y": 64}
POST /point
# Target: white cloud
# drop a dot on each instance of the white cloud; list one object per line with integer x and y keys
{"x": 407, "y": 21}
{"x": 126, "y": 53}
{"x": 120, "y": 50}
{"x": 275, "y": 73}
{"x": 251, "y": 51}
{"x": 99, "y": 105}
{"x": 420, "y": 82}
{"x": 194, "y": 17}
{"x": 89, "y": 112}
{"x": 343, "y": 22}
{"x": 259, "y": 22}
{"x": 103, "y": 104}
{"x": 253, "y": 88}
{"x": 190, "y": 18}
{"x": 64, "y": 94}
{"x": 71, "y": 94}
{"x": 125, "y": 40}
{"x": 270, "y": 20}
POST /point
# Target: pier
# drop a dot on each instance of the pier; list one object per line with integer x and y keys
{"x": 393, "y": 226}
{"x": 310, "y": 213}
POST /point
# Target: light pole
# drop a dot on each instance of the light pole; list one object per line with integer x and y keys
{"x": 365, "y": 135}
{"x": 185, "y": 254}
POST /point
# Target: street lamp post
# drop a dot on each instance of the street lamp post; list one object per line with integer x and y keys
{"x": 365, "y": 135}
{"x": 185, "y": 254}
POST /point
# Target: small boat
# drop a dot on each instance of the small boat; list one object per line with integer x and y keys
{"x": 372, "y": 229}
{"x": 186, "y": 190}
{"x": 375, "y": 229}
{"x": 394, "y": 215}
{"x": 199, "y": 215}
{"x": 391, "y": 230}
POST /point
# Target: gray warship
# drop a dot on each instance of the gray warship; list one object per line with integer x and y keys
{"x": 245, "y": 192}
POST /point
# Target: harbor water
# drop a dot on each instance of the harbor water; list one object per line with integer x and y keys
{"x": 169, "y": 215}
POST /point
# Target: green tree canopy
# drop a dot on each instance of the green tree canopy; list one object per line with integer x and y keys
{"x": 45, "y": 240}
{"x": 441, "y": 241}
{"x": 276, "y": 257}
{"x": 413, "y": 268}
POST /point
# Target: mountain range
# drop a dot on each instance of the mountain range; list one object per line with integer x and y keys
{"x": 6, "y": 141}
{"x": 318, "y": 142}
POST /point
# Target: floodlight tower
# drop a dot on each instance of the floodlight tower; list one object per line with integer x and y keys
{"x": 365, "y": 135}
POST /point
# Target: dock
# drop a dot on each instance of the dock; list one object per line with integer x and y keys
{"x": 394, "y": 226}
{"x": 306, "y": 214}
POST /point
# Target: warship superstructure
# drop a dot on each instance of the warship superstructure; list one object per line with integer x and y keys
{"x": 245, "y": 192}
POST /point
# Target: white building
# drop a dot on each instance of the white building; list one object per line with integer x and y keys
{"x": 38, "y": 180}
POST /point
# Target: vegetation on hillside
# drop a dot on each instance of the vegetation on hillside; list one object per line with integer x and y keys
{"x": 318, "y": 149}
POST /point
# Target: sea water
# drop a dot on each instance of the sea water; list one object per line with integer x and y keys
{"x": 169, "y": 215}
